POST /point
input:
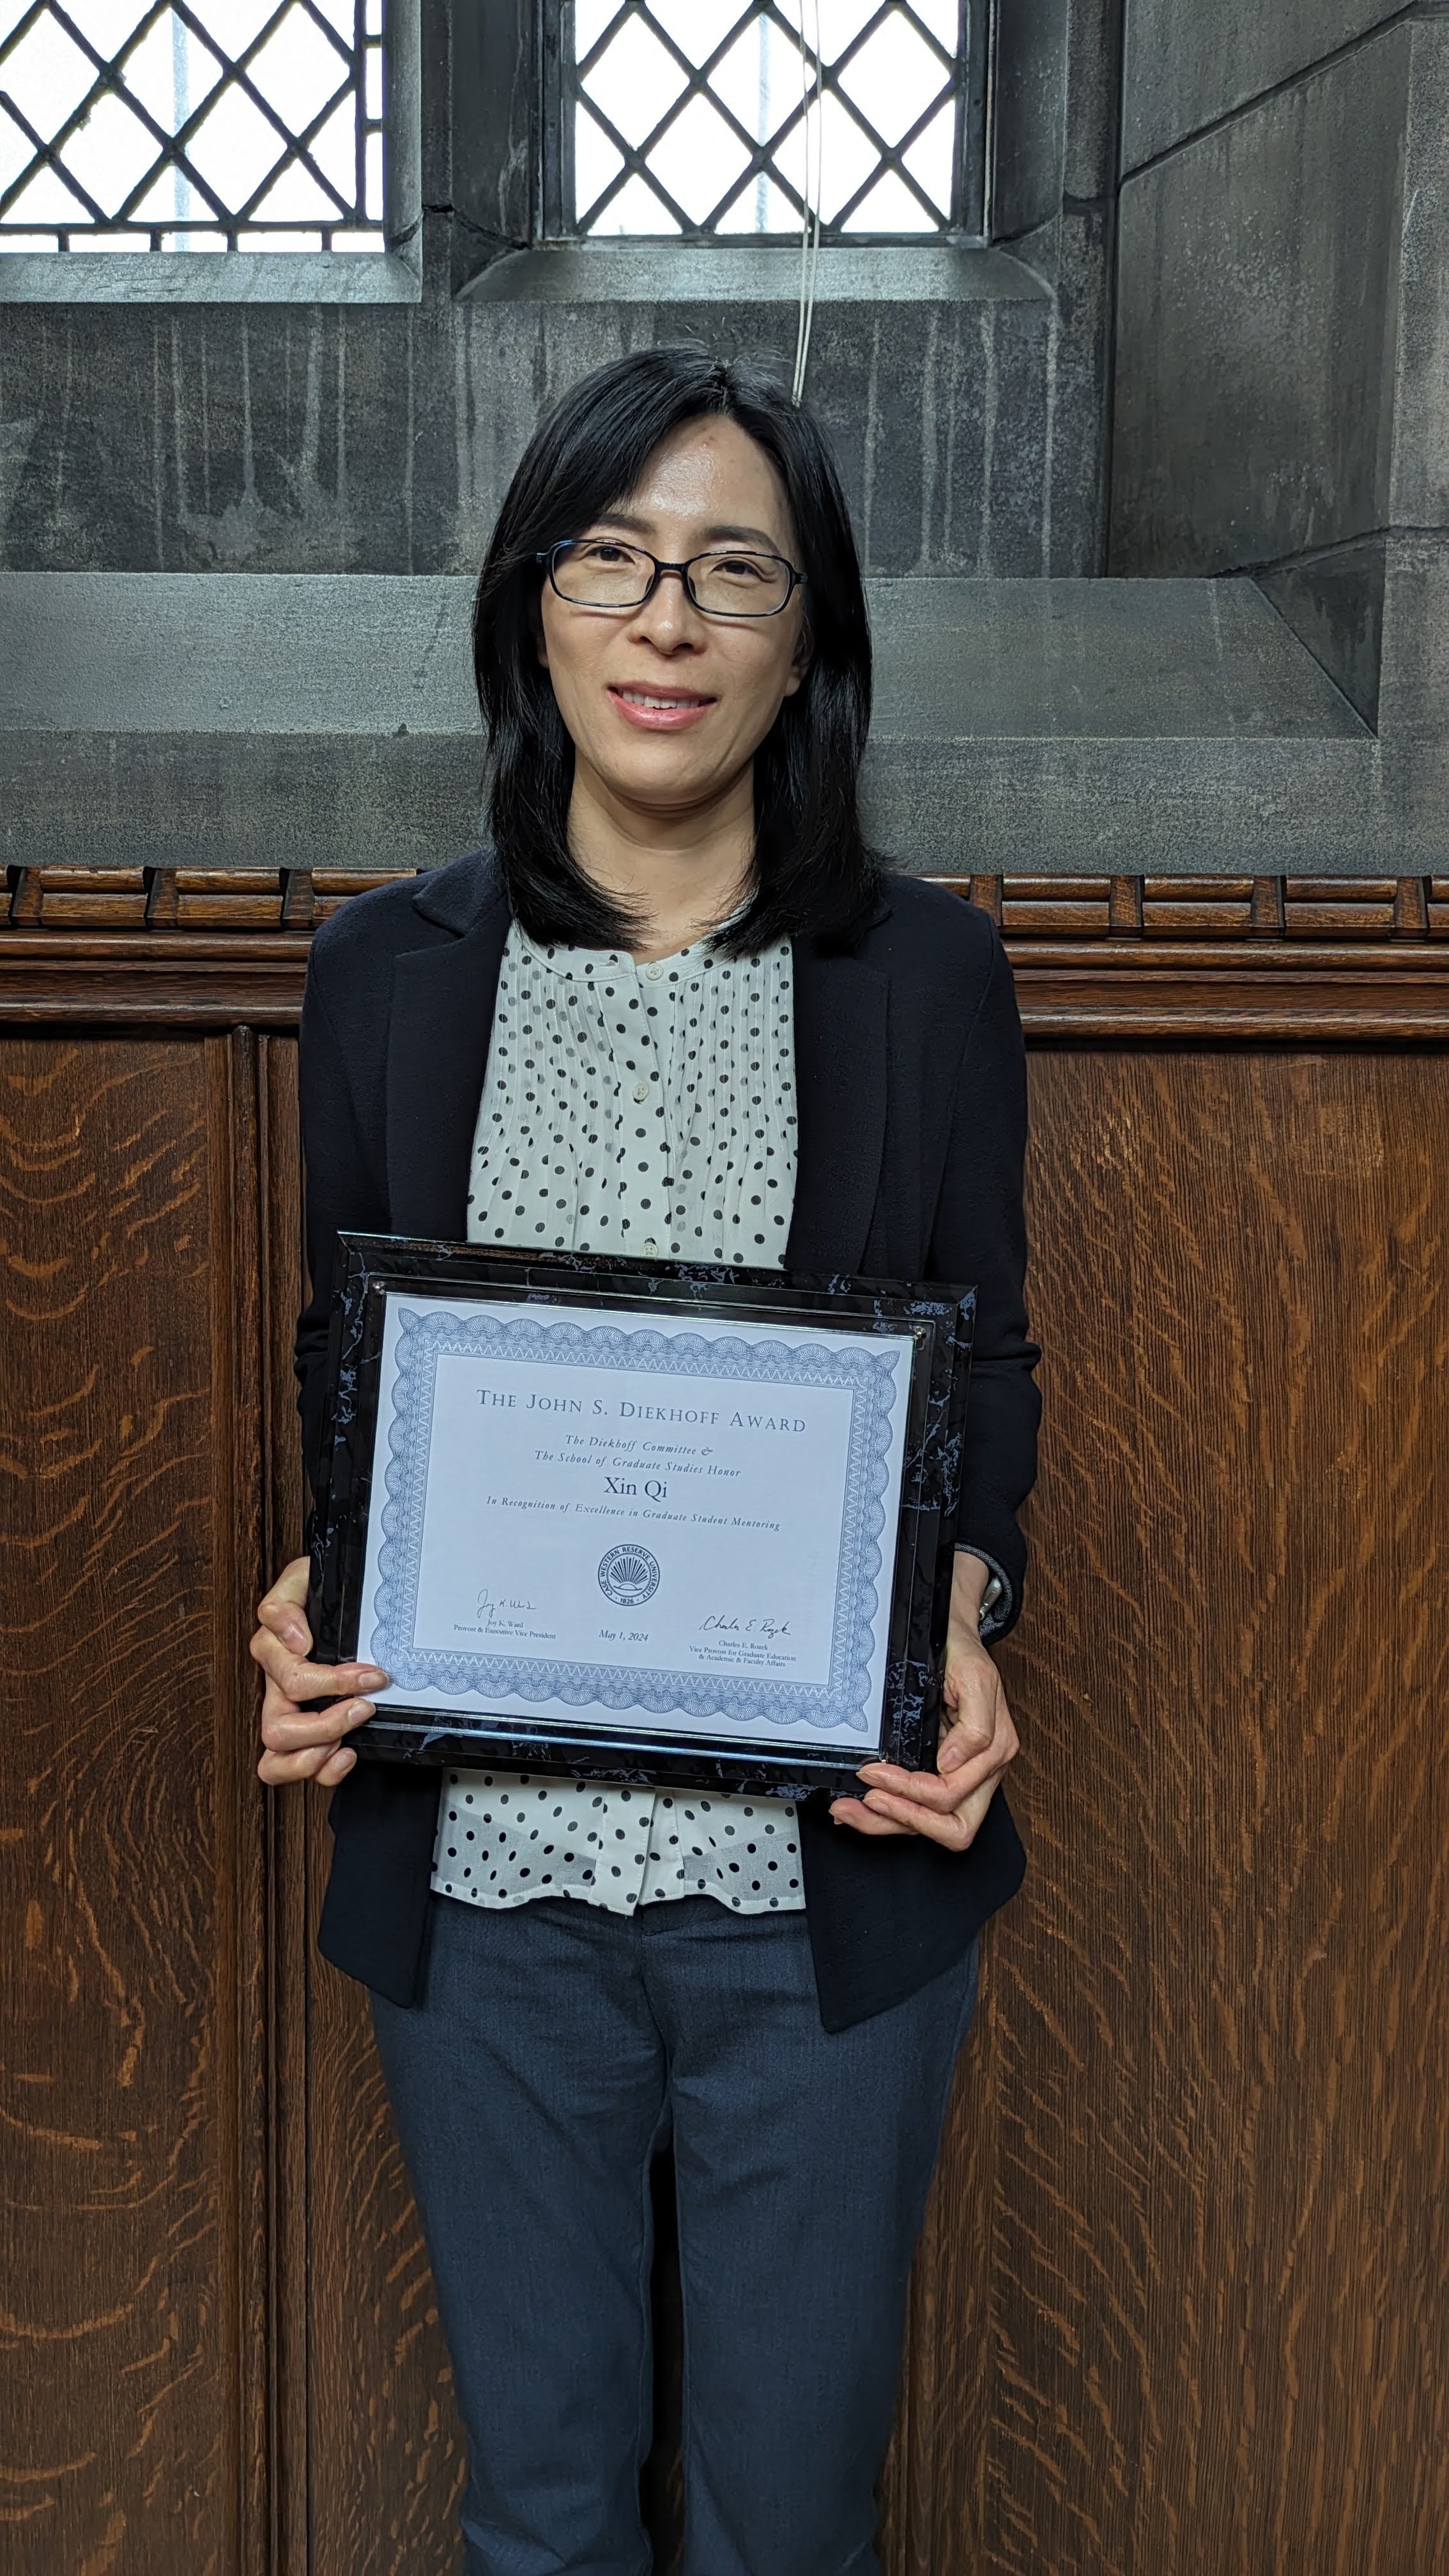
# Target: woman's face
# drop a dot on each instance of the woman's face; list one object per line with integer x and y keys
{"x": 666, "y": 706}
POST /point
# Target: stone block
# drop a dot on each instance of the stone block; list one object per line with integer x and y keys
{"x": 1420, "y": 493}
{"x": 251, "y": 654}
{"x": 1028, "y": 115}
{"x": 1071, "y": 253}
{"x": 1186, "y": 66}
{"x": 937, "y": 401}
{"x": 1082, "y": 807}
{"x": 208, "y": 800}
{"x": 227, "y": 437}
{"x": 1256, "y": 293}
{"x": 311, "y": 439}
{"x": 1030, "y": 726}
{"x": 1094, "y": 77}
{"x": 1335, "y": 605}
{"x": 1054, "y": 113}
{"x": 365, "y": 656}
{"x": 1103, "y": 660}
{"x": 1414, "y": 685}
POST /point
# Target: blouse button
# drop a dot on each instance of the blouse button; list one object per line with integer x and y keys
{"x": 641, "y": 1090}
{"x": 654, "y": 973}
{"x": 650, "y": 1245}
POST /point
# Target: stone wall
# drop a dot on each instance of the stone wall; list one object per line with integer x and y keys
{"x": 964, "y": 391}
{"x": 1282, "y": 353}
{"x": 1207, "y": 352}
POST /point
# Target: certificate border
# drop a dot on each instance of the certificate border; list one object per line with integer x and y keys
{"x": 938, "y": 1318}
{"x": 872, "y": 1385}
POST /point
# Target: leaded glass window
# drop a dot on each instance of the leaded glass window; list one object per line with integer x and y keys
{"x": 191, "y": 125}
{"x": 704, "y": 119}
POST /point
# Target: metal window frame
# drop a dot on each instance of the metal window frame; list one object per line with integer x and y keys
{"x": 253, "y": 273}
{"x": 560, "y": 83}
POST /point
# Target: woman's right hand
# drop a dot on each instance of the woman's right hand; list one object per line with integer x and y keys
{"x": 304, "y": 1743}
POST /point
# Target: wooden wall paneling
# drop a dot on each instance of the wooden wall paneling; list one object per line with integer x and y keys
{"x": 933, "y": 2492}
{"x": 1179, "y": 2306}
{"x": 130, "y": 2343}
{"x": 241, "y": 1945}
{"x": 1220, "y": 2244}
{"x": 368, "y": 2450}
{"x": 386, "y": 2458}
{"x": 983, "y": 2364}
{"x": 384, "y": 2445}
{"x": 286, "y": 1839}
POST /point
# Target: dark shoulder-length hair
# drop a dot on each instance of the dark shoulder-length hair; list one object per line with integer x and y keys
{"x": 812, "y": 870}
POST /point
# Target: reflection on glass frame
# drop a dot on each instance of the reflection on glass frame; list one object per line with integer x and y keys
{"x": 737, "y": 1610}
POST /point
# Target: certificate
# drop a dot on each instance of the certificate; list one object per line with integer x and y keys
{"x": 637, "y": 1521}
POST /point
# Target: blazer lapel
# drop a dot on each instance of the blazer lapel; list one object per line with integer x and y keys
{"x": 442, "y": 1019}
{"x": 841, "y": 1023}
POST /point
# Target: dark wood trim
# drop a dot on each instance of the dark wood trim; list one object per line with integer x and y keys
{"x": 1116, "y": 959}
{"x": 157, "y": 900}
{"x": 1347, "y": 995}
{"x": 168, "y": 979}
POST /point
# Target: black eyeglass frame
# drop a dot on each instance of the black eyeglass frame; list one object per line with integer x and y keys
{"x": 548, "y": 557}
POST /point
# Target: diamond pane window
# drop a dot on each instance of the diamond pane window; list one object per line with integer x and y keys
{"x": 704, "y": 119}
{"x": 191, "y": 125}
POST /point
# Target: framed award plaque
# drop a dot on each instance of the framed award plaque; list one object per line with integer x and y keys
{"x": 640, "y": 1522}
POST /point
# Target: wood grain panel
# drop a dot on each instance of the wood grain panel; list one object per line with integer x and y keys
{"x": 933, "y": 2492}
{"x": 1216, "y": 2055}
{"x": 368, "y": 2452}
{"x": 132, "y": 2348}
{"x": 387, "y": 2467}
{"x": 1181, "y": 2307}
{"x": 286, "y": 1839}
{"x": 385, "y": 2450}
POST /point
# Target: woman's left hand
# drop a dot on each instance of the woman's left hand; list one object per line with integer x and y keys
{"x": 978, "y": 1740}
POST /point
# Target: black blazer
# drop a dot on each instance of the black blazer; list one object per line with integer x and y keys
{"x": 911, "y": 1102}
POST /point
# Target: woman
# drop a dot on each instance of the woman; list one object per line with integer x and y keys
{"x": 677, "y": 1010}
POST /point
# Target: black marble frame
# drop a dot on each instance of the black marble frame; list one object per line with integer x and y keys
{"x": 938, "y": 1319}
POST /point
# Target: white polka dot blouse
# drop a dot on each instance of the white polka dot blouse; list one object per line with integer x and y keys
{"x": 647, "y": 1110}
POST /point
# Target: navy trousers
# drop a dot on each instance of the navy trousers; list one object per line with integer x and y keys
{"x": 555, "y": 2050}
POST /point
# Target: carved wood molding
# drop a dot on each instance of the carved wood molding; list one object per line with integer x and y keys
{"x": 1324, "y": 959}
{"x": 1320, "y": 959}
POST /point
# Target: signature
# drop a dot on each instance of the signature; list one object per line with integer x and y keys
{"x": 725, "y": 1623}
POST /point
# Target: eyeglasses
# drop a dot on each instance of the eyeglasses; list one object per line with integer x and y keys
{"x": 598, "y": 572}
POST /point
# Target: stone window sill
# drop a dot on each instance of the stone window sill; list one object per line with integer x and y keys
{"x": 667, "y": 272}
{"x": 208, "y": 277}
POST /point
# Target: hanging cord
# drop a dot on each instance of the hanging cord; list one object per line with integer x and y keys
{"x": 810, "y": 227}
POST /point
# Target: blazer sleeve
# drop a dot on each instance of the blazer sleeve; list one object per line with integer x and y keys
{"x": 979, "y": 1236}
{"x": 342, "y": 1188}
